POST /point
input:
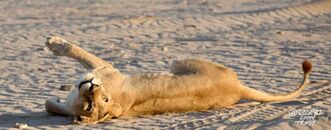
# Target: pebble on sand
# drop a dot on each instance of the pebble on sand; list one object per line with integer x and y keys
{"x": 279, "y": 32}
{"x": 165, "y": 49}
{"x": 21, "y": 125}
{"x": 67, "y": 87}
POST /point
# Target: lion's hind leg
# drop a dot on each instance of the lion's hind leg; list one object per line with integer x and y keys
{"x": 194, "y": 66}
{"x": 185, "y": 67}
{"x": 54, "y": 106}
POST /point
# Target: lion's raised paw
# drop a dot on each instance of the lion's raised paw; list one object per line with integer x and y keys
{"x": 58, "y": 46}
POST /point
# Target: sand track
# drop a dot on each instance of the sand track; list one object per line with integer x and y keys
{"x": 264, "y": 41}
{"x": 253, "y": 116}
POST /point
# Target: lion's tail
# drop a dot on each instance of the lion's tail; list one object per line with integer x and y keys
{"x": 252, "y": 94}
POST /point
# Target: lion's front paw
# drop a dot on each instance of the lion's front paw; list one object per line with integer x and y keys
{"x": 58, "y": 46}
{"x": 54, "y": 106}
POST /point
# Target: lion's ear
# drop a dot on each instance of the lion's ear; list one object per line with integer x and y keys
{"x": 116, "y": 110}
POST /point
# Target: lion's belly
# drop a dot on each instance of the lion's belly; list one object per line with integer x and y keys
{"x": 180, "y": 104}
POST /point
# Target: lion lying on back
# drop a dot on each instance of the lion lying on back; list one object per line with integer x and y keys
{"x": 193, "y": 85}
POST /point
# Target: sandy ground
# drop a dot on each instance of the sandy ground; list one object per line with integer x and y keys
{"x": 264, "y": 41}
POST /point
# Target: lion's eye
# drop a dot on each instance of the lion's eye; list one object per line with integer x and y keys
{"x": 105, "y": 98}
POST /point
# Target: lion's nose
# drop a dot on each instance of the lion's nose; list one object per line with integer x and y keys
{"x": 95, "y": 84}
{"x": 96, "y": 81}
{"x": 93, "y": 87}
{"x": 85, "y": 85}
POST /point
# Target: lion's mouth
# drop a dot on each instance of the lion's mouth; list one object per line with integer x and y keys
{"x": 84, "y": 119}
{"x": 89, "y": 107}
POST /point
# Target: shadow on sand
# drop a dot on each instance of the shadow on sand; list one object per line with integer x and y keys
{"x": 33, "y": 119}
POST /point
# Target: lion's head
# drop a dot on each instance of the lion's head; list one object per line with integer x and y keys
{"x": 92, "y": 103}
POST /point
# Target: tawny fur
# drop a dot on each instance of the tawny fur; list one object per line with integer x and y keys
{"x": 192, "y": 85}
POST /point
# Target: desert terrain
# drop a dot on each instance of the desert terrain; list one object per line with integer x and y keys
{"x": 264, "y": 41}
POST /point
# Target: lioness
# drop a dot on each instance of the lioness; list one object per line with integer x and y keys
{"x": 193, "y": 85}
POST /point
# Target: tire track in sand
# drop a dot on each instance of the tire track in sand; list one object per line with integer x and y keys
{"x": 223, "y": 21}
{"x": 250, "y": 116}
{"x": 239, "y": 20}
{"x": 150, "y": 25}
{"x": 147, "y": 27}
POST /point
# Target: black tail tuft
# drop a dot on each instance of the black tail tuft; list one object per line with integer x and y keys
{"x": 306, "y": 66}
